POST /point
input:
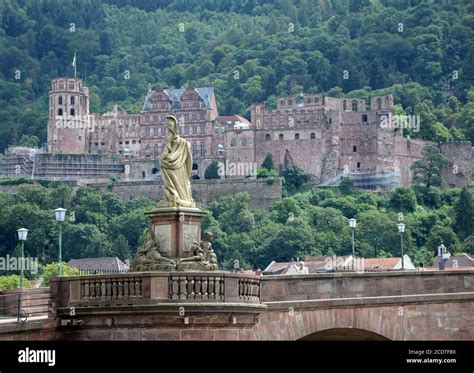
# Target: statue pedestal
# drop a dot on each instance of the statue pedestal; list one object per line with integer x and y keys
{"x": 175, "y": 229}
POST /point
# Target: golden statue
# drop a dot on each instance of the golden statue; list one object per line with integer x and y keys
{"x": 176, "y": 164}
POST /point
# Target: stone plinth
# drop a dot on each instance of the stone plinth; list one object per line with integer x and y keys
{"x": 175, "y": 229}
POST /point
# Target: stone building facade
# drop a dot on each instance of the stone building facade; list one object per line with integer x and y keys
{"x": 328, "y": 137}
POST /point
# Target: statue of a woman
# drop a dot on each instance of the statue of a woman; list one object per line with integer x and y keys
{"x": 176, "y": 164}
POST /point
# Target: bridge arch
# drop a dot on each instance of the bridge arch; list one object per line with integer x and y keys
{"x": 344, "y": 334}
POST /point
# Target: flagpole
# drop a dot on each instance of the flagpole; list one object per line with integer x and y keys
{"x": 75, "y": 64}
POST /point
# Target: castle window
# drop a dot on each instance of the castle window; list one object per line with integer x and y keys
{"x": 127, "y": 142}
{"x": 379, "y": 103}
{"x": 358, "y": 164}
{"x": 154, "y": 170}
{"x": 194, "y": 147}
{"x": 281, "y": 137}
{"x": 267, "y": 137}
{"x": 354, "y": 148}
{"x": 316, "y": 100}
{"x": 186, "y": 130}
{"x": 72, "y": 100}
{"x": 120, "y": 142}
{"x": 202, "y": 149}
{"x": 282, "y": 103}
{"x": 147, "y": 147}
{"x": 202, "y": 129}
{"x": 312, "y": 136}
{"x": 290, "y": 102}
{"x": 344, "y": 105}
{"x": 73, "y": 112}
{"x": 297, "y": 136}
{"x": 134, "y": 141}
{"x": 156, "y": 150}
{"x": 244, "y": 142}
{"x": 354, "y": 105}
{"x": 202, "y": 116}
{"x": 60, "y": 100}
{"x": 258, "y": 123}
{"x": 195, "y": 166}
{"x": 387, "y": 102}
{"x": 194, "y": 129}
{"x": 60, "y": 112}
{"x": 364, "y": 118}
{"x": 147, "y": 132}
{"x": 194, "y": 117}
{"x": 233, "y": 142}
{"x": 102, "y": 143}
{"x": 308, "y": 100}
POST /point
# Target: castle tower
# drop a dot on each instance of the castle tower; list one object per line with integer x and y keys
{"x": 68, "y": 116}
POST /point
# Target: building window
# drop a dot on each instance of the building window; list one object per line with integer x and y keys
{"x": 147, "y": 132}
{"x": 281, "y": 137}
{"x": 282, "y": 103}
{"x": 312, "y": 136}
{"x": 233, "y": 142}
{"x": 308, "y": 100}
{"x": 73, "y": 112}
{"x": 147, "y": 148}
{"x": 60, "y": 100}
{"x": 364, "y": 118}
{"x": 354, "y": 148}
{"x": 202, "y": 149}
{"x": 344, "y": 105}
{"x": 156, "y": 150}
{"x": 60, "y": 112}
{"x": 194, "y": 129}
{"x": 297, "y": 136}
{"x": 244, "y": 142}
{"x": 379, "y": 103}
{"x": 267, "y": 137}
{"x": 163, "y": 131}
{"x": 290, "y": 102}
{"x": 195, "y": 167}
{"x": 202, "y": 116}
{"x": 120, "y": 142}
{"x": 194, "y": 116}
{"x": 316, "y": 100}
{"x": 258, "y": 123}
{"x": 354, "y": 105}
{"x": 154, "y": 170}
{"x": 358, "y": 164}
{"x": 194, "y": 149}
{"x": 72, "y": 100}
{"x": 202, "y": 129}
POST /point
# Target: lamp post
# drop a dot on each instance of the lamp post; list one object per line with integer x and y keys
{"x": 401, "y": 230}
{"x": 60, "y": 214}
{"x": 352, "y": 224}
{"x": 22, "y": 234}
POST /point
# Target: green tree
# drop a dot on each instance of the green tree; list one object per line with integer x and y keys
{"x": 294, "y": 177}
{"x": 427, "y": 172}
{"x": 212, "y": 171}
{"x": 464, "y": 214}
{"x": 268, "y": 162}
{"x": 51, "y": 270}
{"x": 403, "y": 199}
{"x": 30, "y": 141}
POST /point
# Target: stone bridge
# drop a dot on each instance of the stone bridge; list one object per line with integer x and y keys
{"x": 430, "y": 305}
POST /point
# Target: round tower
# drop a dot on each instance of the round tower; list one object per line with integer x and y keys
{"x": 68, "y": 116}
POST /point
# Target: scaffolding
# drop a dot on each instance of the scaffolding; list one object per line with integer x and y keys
{"x": 368, "y": 181}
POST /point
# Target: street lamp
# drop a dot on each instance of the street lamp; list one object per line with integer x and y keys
{"x": 352, "y": 225}
{"x": 401, "y": 230}
{"x": 22, "y": 234}
{"x": 60, "y": 215}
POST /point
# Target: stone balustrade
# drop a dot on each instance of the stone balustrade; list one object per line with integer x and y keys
{"x": 152, "y": 287}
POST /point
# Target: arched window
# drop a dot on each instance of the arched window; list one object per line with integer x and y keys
{"x": 379, "y": 103}
{"x": 387, "y": 102}
{"x": 364, "y": 118}
{"x": 297, "y": 136}
{"x": 195, "y": 166}
{"x": 154, "y": 171}
{"x": 233, "y": 142}
{"x": 281, "y": 137}
{"x": 354, "y": 105}
{"x": 267, "y": 137}
{"x": 312, "y": 136}
{"x": 60, "y": 100}
{"x": 60, "y": 112}
{"x": 244, "y": 142}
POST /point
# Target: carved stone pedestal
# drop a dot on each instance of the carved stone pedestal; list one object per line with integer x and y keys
{"x": 175, "y": 229}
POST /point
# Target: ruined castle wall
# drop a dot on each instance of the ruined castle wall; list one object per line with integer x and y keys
{"x": 262, "y": 194}
{"x": 407, "y": 151}
{"x": 460, "y": 169}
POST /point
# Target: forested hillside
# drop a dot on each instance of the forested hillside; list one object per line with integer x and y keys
{"x": 250, "y": 50}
